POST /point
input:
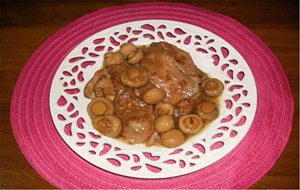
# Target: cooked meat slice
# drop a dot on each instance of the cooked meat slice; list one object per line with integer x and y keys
{"x": 137, "y": 117}
{"x": 184, "y": 63}
{"x": 172, "y": 70}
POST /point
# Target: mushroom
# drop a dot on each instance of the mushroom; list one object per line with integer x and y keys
{"x": 135, "y": 57}
{"x": 190, "y": 124}
{"x": 108, "y": 125}
{"x": 113, "y": 58}
{"x": 154, "y": 95}
{"x": 104, "y": 87}
{"x": 207, "y": 110}
{"x": 89, "y": 89}
{"x": 135, "y": 77}
{"x": 164, "y": 108}
{"x": 172, "y": 138}
{"x": 142, "y": 90}
{"x": 213, "y": 87}
{"x": 100, "y": 106}
{"x": 163, "y": 123}
{"x": 127, "y": 48}
{"x": 187, "y": 106}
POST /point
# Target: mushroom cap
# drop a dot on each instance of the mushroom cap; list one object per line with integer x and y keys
{"x": 190, "y": 124}
{"x": 135, "y": 77}
{"x": 213, "y": 87}
{"x": 108, "y": 125}
{"x": 89, "y": 89}
{"x": 135, "y": 57}
{"x": 172, "y": 138}
{"x": 113, "y": 58}
{"x": 207, "y": 110}
{"x": 127, "y": 48}
{"x": 163, "y": 123}
{"x": 164, "y": 108}
{"x": 100, "y": 106}
{"x": 154, "y": 95}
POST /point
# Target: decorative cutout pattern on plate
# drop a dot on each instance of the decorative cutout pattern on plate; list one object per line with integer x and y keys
{"x": 210, "y": 53}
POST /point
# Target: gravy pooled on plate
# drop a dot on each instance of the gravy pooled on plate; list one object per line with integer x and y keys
{"x": 151, "y": 95}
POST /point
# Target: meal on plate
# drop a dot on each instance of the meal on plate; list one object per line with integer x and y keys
{"x": 151, "y": 94}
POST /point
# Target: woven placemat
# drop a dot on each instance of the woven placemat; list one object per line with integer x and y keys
{"x": 57, "y": 163}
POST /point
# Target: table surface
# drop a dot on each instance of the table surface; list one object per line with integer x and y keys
{"x": 26, "y": 25}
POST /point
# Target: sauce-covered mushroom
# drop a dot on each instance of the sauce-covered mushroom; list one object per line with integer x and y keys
{"x": 172, "y": 138}
{"x": 154, "y": 96}
{"x": 100, "y": 106}
{"x": 190, "y": 124}
{"x": 113, "y": 58}
{"x": 164, "y": 108}
{"x": 108, "y": 125}
{"x": 135, "y": 57}
{"x": 163, "y": 123}
{"x": 213, "y": 87}
{"x": 142, "y": 90}
{"x": 127, "y": 48}
{"x": 104, "y": 87}
{"x": 89, "y": 89}
{"x": 135, "y": 77}
{"x": 207, "y": 110}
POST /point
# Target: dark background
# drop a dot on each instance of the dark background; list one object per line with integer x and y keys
{"x": 26, "y": 24}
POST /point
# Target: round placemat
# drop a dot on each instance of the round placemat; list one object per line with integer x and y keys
{"x": 57, "y": 163}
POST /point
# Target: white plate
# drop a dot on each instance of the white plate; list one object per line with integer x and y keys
{"x": 210, "y": 53}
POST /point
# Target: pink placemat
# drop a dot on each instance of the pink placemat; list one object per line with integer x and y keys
{"x": 57, "y": 163}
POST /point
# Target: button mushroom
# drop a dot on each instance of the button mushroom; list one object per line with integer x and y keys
{"x": 100, "y": 106}
{"x": 163, "y": 123}
{"x": 127, "y": 48}
{"x": 154, "y": 95}
{"x": 207, "y": 110}
{"x": 104, "y": 87}
{"x": 213, "y": 87}
{"x": 89, "y": 89}
{"x": 172, "y": 138}
{"x": 135, "y": 77}
{"x": 164, "y": 108}
{"x": 135, "y": 57}
{"x": 108, "y": 125}
{"x": 113, "y": 58}
{"x": 190, "y": 124}
{"x": 142, "y": 90}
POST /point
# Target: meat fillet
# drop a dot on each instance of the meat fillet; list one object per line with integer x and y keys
{"x": 137, "y": 117}
{"x": 173, "y": 70}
